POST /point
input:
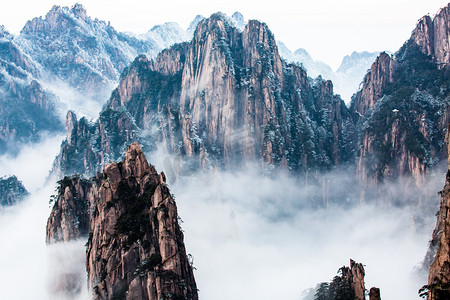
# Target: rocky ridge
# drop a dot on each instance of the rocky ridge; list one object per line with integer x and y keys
{"x": 402, "y": 110}
{"x": 129, "y": 209}
{"x": 226, "y": 97}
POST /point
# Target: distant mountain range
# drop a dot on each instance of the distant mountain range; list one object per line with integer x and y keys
{"x": 67, "y": 60}
{"x": 346, "y": 79}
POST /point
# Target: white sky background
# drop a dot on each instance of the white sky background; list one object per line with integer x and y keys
{"x": 327, "y": 29}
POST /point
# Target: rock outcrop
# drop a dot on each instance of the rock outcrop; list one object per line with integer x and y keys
{"x": 356, "y": 277}
{"x": 402, "y": 110}
{"x": 439, "y": 275}
{"x": 227, "y": 98}
{"x": 374, "y": 294}
{"x": 374, "y": 84}
{"x": 12, "y": 191}
{"x": 135, "y": 248}
{"x": 69, "y": 219}
{"x": 433, "y": 38}
{"x": 348, "y": 284}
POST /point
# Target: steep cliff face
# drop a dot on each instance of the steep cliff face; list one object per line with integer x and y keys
{"x": 380, "y": 74}
{"x": 135, "y": 248}
{"x": 403, "y": 108}
{"x": 227, "y": 98}
{"x": 69, "y": 219}
{"x": 12, "y": 191}
{"x": 432, "y": 36}
{"x": 439, "y": 275}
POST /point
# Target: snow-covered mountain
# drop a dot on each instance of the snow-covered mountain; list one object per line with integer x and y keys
{"x": 26, "y": 108}
{"x": 86, "y": 54}
{"x": 346, "y": 79}
{"x": 165, "y": 35}
{"x": 66, "y": 60}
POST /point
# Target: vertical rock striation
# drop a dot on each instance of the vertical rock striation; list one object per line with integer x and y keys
{"x": 439, "y": 275}
{"x": 135, "y": 248}
{"x": 402, "y": 110}
{"x": 374, "y": 83}
{"x": 432, "y": 36}
{"x": 348, "y": 284}
{"x": 226, "y": 98}
{"x": 69, "y": 218}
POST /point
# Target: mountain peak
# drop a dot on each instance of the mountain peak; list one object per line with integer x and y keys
{"x": 129, "y": 208}
{"x": 193, "y": 25}
{"x": 238, "y": 20}
{"x": 238, "y": 16}
{"x": 4, "y": 32}
{"x": 56, "y": 20}
{"x": 432, "y": 36}
{"x": 79, "y": 11}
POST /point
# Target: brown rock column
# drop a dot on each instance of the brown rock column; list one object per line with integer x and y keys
{"x": 374, "y": 294}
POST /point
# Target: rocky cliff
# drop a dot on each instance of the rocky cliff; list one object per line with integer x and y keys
{"x": 12, "y": 191}
{"x": 227, "y": 98}
{"x": 135, "y": 248}
{"x": 348, "y": 284}
{"x": 402, "y": 110}
{"x": 374, "y": 83}
{"x": 69, "y": 219}
{"x": 439, "y": 274}
{"x": 432, "y": 36}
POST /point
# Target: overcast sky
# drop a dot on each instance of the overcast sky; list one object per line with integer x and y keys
{"x": 327, "y": 29}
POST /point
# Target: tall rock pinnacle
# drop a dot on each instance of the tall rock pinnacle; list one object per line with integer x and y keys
{"x": 135, "y": 248}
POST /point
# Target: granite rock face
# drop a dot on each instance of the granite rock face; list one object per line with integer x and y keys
{"x": 135, "y": 248}
{"x": 402, "y": 110}
{"x": 432, "y": 36}
{"x": 348, "y": 284}
{"x": 380, "y": 74}
{"x": 357, "y": 279}
{"x": 439, "y": 274}
{"x": 227, "y": 98}
{"x": 69, "y": 218}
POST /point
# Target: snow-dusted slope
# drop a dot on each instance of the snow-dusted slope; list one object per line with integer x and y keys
{"x": 351, "y": 72}
{"x": 26, "y": 109}
{"x": 65, "y": 60}
{"x": 165, "y": 35}
{"x": 86, "y": 54}
{"x": 237, "y": 20}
